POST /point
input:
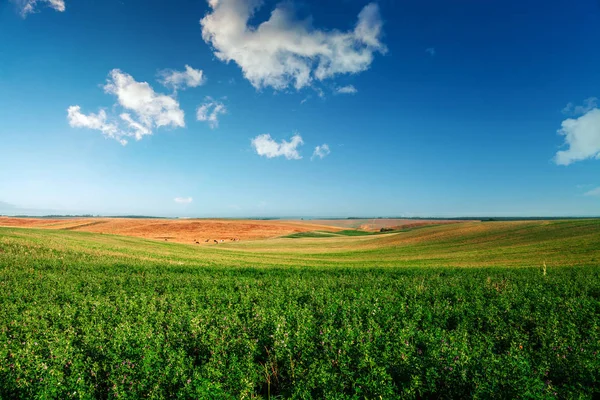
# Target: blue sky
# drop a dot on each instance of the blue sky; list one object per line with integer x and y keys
{"x": 300, "y": 108}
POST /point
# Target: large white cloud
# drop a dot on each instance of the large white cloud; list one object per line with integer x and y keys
{"x": 209, "y": 111}
{"x": 30, "y": 6}
{"x": 582, "y": 136}
{"x": 283, "y": 51}
{"x": 268, "y": 147}
{"x": 181, "y": 79}
{"x": 150, "y": 110}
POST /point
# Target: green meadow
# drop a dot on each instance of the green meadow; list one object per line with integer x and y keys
{"x": 469, "y": 310}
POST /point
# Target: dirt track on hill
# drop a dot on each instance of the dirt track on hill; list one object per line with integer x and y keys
{"x": 175, "y": 230}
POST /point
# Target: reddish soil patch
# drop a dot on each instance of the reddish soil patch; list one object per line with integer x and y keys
{"x": 28, "y": 222}
{"x": 176, "y": 230}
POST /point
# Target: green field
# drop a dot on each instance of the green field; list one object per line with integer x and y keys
{"x": 451, "y": 311}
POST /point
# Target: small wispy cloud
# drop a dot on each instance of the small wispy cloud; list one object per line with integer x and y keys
{"x": 181, "y": 79}
{"x": 266, "y": 146}
{"x": 588, "y": 105}
{"x": 321, "y": 151}
{"x": 183, "y": 200}
{"x": 27, "y": 7}
{"x": 594, "y": 192}
{"x": 349, "y": 89}
{"x": 430, "y": 51}
{"x": 97, "y": 121}
{"x": 5, "y": 206}
{"x": 209, "y": 112}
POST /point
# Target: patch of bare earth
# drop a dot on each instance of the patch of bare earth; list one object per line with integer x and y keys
{"x": 202, "y": 231}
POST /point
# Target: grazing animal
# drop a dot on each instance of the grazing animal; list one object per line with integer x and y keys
{"x": 206, "y": 241}
{"x": 216, "y": 241}
{"x": 222, "y": 240}
{"x": 197, "y": 242}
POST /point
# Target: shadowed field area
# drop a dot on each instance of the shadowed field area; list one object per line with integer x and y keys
{"x": 332, "y": 315}
{"x": 374, "y": 224}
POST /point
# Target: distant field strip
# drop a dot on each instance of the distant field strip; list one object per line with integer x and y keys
{"x": 378, "y": 223}
{"x": 468, "y": 244}
{"x": 177, "y": 230}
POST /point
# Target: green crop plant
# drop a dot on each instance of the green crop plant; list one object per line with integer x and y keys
{"x": 376, "y": 317}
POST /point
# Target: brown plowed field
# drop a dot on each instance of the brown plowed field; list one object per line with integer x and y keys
{"x": 176, "y": 230}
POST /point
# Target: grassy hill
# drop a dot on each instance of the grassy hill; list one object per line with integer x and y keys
{"x": 87, "y": 315}
{"x": 469, "y": 244}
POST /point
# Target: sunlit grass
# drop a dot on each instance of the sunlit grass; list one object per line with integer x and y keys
{"x": 100, "y": 316}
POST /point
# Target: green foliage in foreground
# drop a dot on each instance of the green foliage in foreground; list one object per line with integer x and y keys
{"x": 82, "y": 325}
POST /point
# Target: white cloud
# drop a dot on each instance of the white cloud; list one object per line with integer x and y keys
{"x": 27, "y": 7}
{"x": 284, "y": 51}
{"x": 321, "y": 151}
{"x": 181, "y": 79}
{"x": 430, "y": 51}
{"x": 588, "y": 105}
{"x": 151, "y": 110}
{"x": 183, "y": 200}
{"x": 138, "y": 129}
{"x": 266, "y": 146}
{"x": 350, "y": 89}
{"x": 209, "y": 111}
{"x": 593, "y": 192}
{"x": 58, "y": 5}
{"x": 95, "y": 121}
{"x": 582, "y": 136}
